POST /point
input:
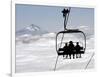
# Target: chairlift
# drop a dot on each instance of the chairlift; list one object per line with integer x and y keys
{"x": 68, "y": 31}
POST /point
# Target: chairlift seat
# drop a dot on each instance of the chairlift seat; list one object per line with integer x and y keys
{"x": 62, "y": 53}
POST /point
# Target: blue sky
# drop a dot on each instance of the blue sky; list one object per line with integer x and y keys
{"x": 50, "y": 18}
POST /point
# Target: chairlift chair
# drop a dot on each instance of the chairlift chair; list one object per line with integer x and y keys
{"x": 68, "y": 31}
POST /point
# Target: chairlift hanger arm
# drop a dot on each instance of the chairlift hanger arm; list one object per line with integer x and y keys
{"x": 66, "y": 16}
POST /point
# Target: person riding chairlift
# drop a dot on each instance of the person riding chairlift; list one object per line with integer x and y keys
{"x": 71, "y": 49}
{"x": 78, "y": 49}
{"x": 65, "y": 49}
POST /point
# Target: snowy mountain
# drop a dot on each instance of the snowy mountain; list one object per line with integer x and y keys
{"x": 29, "y": 34}
{"x": 88, "y": 30}
{"x": 40, "y": 52}
{"x": 30, "y": 30}
{"x": 40, "y": 55}
{"x": 32, "y": 33}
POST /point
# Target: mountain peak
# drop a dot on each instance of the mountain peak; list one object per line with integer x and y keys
{"x": 31, "y": 30}
{"x": 33, "y": 27}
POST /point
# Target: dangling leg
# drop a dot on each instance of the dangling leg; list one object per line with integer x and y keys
{"x": 76, "y": 55}
{"x": 73, "y": 56}
{"x": 63, "y": 56}
{"x": 80, "y": 55}
{"x": 70, "y": 56}
{"x": 66, "y": 56}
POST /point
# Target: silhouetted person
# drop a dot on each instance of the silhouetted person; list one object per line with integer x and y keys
{"x": 71, "y": 49}
{"x": 65, "y": 48}
{"x": 78, "y": 49}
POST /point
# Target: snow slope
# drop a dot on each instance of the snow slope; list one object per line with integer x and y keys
{"x": 40, "y": 55}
